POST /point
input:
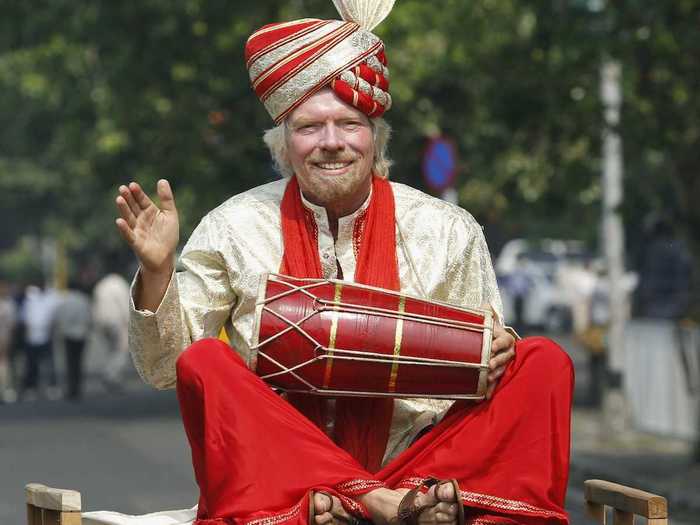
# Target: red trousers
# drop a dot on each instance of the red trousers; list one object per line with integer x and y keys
{"x": 256, "y": 458}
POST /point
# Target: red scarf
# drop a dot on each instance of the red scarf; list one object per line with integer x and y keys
{"x": 361, "y": 424}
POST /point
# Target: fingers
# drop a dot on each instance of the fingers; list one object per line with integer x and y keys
{"x": 125, "y": 211}
{"x": 502, "y": 352}
{"x": 490, "y": 390}
{"x": 501, "y": 359}
{"x": 126, "y": 194}
{"x": 125, "y": 231}
{"x": 140, "y": 197}
{"x": 165, "y": 194}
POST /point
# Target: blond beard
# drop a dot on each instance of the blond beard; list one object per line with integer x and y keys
{"x": 327, "y": 190}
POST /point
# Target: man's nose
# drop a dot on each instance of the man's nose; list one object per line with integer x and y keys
{"x": 332, "y": 138}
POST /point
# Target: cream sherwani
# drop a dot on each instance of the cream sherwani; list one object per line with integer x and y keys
{"x": 442, "y": 255}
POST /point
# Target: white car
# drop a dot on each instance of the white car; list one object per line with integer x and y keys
{"x": 545, "y": 306}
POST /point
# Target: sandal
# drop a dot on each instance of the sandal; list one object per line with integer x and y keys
{"x": 408, "y": 512}
{"x": 352, "y": 520}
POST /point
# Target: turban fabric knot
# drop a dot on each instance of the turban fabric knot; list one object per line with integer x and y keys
{"x": 290, "y": 61}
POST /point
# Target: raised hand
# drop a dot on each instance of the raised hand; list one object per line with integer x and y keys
{"x": 152, "y": 232}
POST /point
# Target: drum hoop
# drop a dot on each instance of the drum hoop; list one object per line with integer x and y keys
{"x": 260, "y": 304}
{"x": 487, "y": 341}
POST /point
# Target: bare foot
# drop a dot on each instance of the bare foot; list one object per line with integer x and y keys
{"x": 383, "y": 505}
{"x": 328, "y": 510}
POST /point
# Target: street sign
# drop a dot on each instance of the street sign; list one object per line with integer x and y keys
{"x": 440, "y": 164}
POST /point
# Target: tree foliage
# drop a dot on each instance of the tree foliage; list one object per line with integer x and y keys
{"x": 95, "y": 94}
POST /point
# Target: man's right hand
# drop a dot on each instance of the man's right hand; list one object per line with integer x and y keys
{"x": 152, "y": 232}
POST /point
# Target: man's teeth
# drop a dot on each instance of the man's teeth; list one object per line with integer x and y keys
{"x": 333, "y": 165}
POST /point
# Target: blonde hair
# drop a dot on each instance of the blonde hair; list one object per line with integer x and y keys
{"x": 276, "y": 141}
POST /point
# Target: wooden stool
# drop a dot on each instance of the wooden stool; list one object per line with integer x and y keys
{"x": 625, "y": 502}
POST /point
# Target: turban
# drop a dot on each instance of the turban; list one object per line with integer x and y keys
{"x": 290, "y": 61}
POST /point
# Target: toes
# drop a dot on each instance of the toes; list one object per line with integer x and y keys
{"x": 446, "y": 492}
{"x": 325, "y": 518}
{"x": 428, "y": 499}
{"x": 339, "y": 511}
{"x": 447, "y": 508}
{"x": 322, "y": 503}
{"x": 329, "y": 510}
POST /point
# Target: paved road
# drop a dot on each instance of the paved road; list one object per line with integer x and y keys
{"x": 125, "y": 453}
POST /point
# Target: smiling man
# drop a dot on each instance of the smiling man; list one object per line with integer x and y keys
{"x": 264, "y": 459}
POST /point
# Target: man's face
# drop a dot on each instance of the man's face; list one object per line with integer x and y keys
{"x": 331, "y": 149}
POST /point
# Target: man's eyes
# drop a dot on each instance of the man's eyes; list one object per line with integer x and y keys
{"x": 350, "y": 125}
{"x": 306, "y": 128}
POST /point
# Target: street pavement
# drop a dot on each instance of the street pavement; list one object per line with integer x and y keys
{"x": 128, "y": 452}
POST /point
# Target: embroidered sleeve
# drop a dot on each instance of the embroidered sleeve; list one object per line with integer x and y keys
{"x": 196, "y": 305}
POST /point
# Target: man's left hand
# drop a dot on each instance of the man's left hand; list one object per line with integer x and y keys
{"x": 502, "y": 351}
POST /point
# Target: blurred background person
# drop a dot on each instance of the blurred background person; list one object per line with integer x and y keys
{"x": 8, "y": 318}
{"x": 111, "y": 323}
{"x": 519, "y": 284}
{"x": 73, "y": 323}
{"x": 665, "y": 273}
{"x": 39, "y": 313}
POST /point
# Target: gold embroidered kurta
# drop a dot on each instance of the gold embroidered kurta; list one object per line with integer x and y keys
{"x": 442, "y": 255}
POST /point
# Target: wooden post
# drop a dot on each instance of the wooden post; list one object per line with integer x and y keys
{"x": 49, "y": 506}
{"x": 626, "y": 502}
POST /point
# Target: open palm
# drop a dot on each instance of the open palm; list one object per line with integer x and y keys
{"x": 151, "y": 231}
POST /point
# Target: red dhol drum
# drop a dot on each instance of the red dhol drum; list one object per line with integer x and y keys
{"x": 337, "y": 338}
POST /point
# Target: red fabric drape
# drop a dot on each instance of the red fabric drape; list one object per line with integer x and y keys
{"x": 256, "y": 458}
{"x": 361, "y": 424}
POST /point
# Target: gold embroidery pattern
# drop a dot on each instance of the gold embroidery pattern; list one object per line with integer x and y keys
{"x": 505, "y": 504}
{"x": 397, "y": 345}
{"x": 409, "y": 483}
{"x": 332, "y": 336}
{"x": 277, "y": 518}
{"x": 357, "y": 232}
{"x": 359, "y": 486}
{"x": 353, "y": 507}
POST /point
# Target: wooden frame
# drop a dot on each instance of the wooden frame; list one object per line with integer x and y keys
{"x": 625, "y": 503}
{"x": 49, "y": 506}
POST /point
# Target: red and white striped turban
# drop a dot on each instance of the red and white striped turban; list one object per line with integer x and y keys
{"x": 290, "y": 61}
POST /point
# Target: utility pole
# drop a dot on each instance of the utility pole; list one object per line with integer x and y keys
{"x": 615, "y": 404}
